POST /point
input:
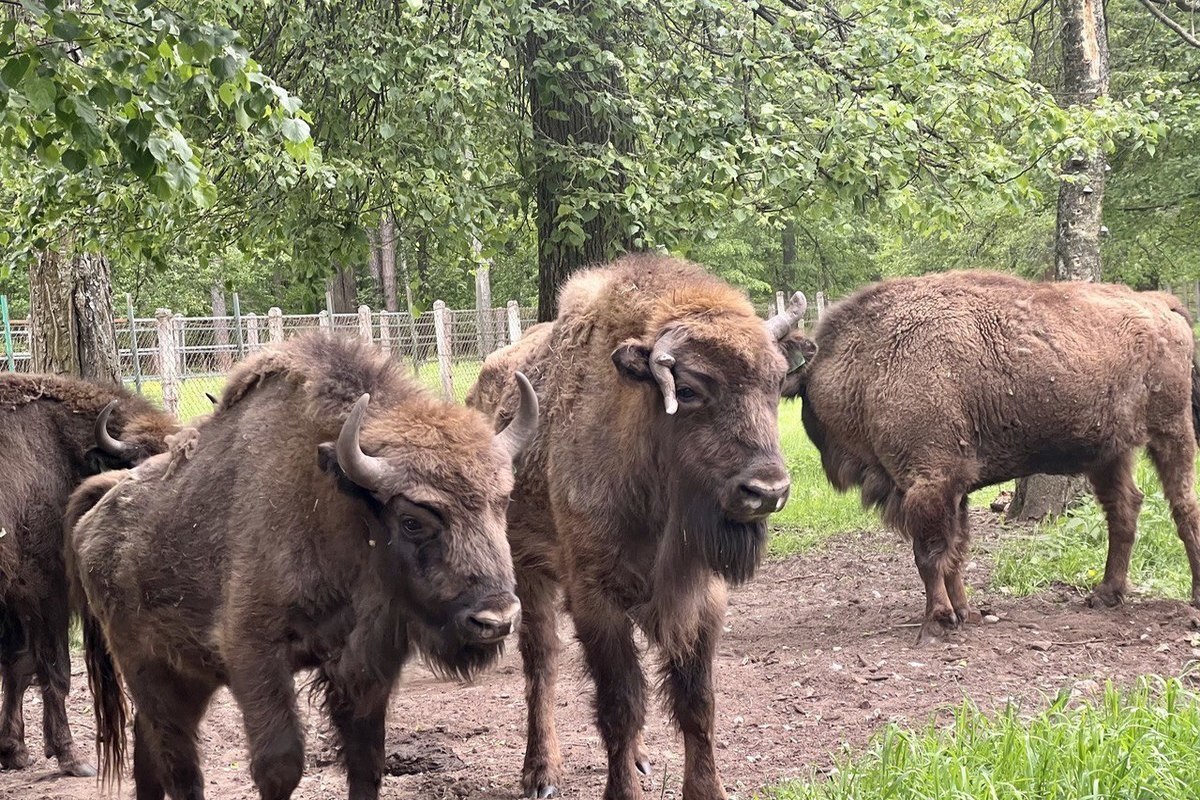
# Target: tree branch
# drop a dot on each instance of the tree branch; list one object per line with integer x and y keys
{"x": 1162, "y": 17}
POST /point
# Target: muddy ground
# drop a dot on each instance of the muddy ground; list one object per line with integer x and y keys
{"x": 818, "y": 654}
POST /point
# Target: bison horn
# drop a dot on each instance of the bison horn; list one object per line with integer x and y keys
{"x": 523, "y": 427}
{"x": 212, "y": 398}
{"x": 106, "y": 441}
{"x": 366, "y": 471}
{"x": 781, "y": 324}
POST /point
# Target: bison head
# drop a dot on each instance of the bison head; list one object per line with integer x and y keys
{"x": 436, "y": 491}
{"x": 140, "y": 438}
{"x": 715, "y": 379}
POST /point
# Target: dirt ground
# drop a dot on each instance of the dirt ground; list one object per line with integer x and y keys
{"x": 818, "y": 654}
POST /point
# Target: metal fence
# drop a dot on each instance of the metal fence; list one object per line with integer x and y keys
{"x": 175, "y": 360}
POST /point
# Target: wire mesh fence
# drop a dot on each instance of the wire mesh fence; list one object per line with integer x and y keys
{"x": 176, "y": 360}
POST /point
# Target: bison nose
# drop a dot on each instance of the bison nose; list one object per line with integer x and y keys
{"x": 760, "y": 497}
{"x": 493, "y": 623}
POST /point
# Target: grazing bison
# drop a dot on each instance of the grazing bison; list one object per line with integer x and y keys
{"x": 54, "y": 433}
{"x": 280, "y": 543}
{"x": 925, "y": 389}
{"x": 646, "y": 490}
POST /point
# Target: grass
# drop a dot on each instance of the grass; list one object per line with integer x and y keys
{"x": 1136, "y": 744}
{"x": 1072, "y": 549}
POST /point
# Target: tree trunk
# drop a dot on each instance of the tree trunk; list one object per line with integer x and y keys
{"x": 220, "y": 328}
{"x": 1078, "y": 229}
{"x": 568, "y": 128}
{"x": 484, "y": 319}
{"x": 787, "y": 261}
{"x": 375, "y": 258}
{"x": 387, "y": 260}
{"x": 343, "y": 290}
{"x": 71, "y": 317}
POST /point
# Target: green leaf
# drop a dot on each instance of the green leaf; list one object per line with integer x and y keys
{"x": 294, "y": 130}
{"x": 41, "y": 93}
{"x": 15, "y": 69}
{"x": 74, "y": 160}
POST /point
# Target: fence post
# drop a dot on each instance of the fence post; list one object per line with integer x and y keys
{"x": 443, "y": 349}
{"x": 168, "y": 360}
{"x": 8, "y": 345}
{"x": 133, "y": 344}
{"x": 385, "y": 335}
{"x": 252, "y": 332}
{"x": 364, "y": 324}
{"x": 275, "y": 323}
{"x": 325, "y": 320}
{"x": 179, "y": 323}
{"x": 237, "y": 326}
{"x": 780, "y": 303}
{"x": 820, "y": 304}
{"x": 514, "y": 321}
{"x": 1197, "y": 288}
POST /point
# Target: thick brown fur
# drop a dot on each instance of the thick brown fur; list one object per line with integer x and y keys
{"x": 247, "y": 553}
{"x": 924, "y": 389}
{"x": 47, "y": 447}
{"x": 627, "y": 508}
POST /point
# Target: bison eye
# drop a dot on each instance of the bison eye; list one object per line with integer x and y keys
{"x": 412, "y": 526}
{"x": 686, "y": 394}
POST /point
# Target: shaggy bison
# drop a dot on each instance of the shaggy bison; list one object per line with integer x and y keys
{"x": 925, "y": 389}
{"x": 281, "y": 542}
{"x": 646, "y": 490}
{"x": 54, "y": 433}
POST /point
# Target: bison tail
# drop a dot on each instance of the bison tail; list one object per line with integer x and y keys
{"x": 104, "y": 679}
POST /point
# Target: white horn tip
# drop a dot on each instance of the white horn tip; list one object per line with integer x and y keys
{"x": 672, "y": 405}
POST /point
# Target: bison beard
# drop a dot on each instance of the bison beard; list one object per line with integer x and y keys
{"x": 731, "y": 549}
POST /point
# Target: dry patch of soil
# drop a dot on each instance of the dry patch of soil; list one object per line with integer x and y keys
{"x": 818, "y": 654}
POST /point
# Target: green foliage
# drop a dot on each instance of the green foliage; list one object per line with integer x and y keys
{"x": 1072, "y": 549}
{"x": 127, "y": 126}
{"x": 1140, "y": 743}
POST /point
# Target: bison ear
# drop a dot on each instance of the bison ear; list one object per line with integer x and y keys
{"x": 799, "y": 351}
{"x": 328, "y": 462}
{"x": 632, "y": 360}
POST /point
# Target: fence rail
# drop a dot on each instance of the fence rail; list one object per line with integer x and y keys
{"x": 176, "y": 359}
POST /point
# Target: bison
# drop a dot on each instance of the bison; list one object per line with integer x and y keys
{"x": 54, "y": 433}
{"x": 645, "y": 492}
{"x": 926, "y": 389}
{"x": 331, "y": 515}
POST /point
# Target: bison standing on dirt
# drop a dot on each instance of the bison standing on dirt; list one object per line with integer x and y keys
{"x": 54, "y": 433}
{"x": 925, "y": 389}
{"x": 646, "y": 490}
{"x": 279, "y": 543}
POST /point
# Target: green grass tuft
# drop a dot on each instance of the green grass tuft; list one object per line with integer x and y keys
{"x": 1138, "y": 744}
{"x": 1072, "y": 549}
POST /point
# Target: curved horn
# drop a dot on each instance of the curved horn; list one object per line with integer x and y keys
{"x": 521, "y": 430}
{"x": 781, "y": 324}
{"x": 106, "y": 441}
{"x": 212, "y": 398}
{"x": 660, "y": 367}
{"x": 366, "y": 471}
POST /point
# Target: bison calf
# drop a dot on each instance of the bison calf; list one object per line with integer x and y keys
{"x": 925, "y": 389}
{"x": 330, "y": 515}
{"x": 54, "y": 433}
{"x": 646, "y": 490}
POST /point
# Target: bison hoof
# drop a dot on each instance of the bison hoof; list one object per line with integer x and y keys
{"x": 643, "y": 766}
{"x": 540, "y": 792}
{"x": 17, "y": 758}
{"x": 1106, "y": 596}
{"x": 77, "y": 769}
{"x": 969, "y": 616}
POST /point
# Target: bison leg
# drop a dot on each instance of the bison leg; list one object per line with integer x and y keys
{"x": 539, "y": 645}
{"x": 16, "y": 673}
{"x": 955, "y": 585}
{"x": 607, "y": 638}
{"x": 1118, "y": 495}
{"x": 929, "y": 517}
{"x": 362, "y": 737}
{"x": 688, "y": 680}
{"x": 169, "y": 709}
{"x": 1175, "y": 460}
{"x": 263, "y": 687}
{"x": 52, "y": 644}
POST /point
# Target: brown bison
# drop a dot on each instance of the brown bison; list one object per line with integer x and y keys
{"x": 925, "y": 389}
{"x": 645, "y": 492}
{"x": 304, "y": 529}
{"x": 54, "y": 433}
